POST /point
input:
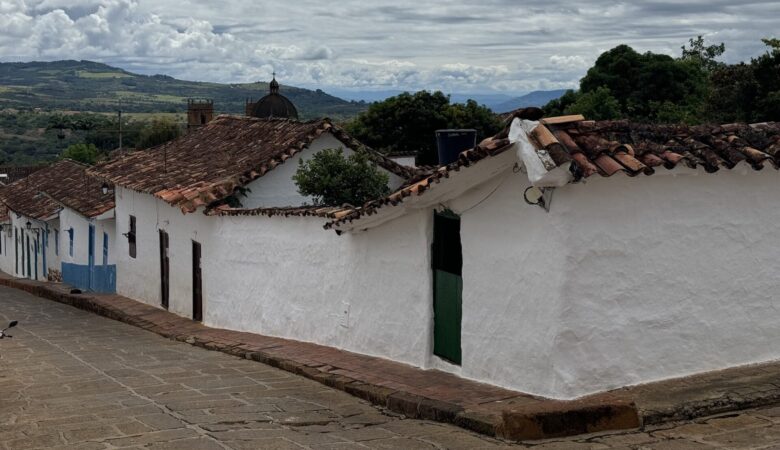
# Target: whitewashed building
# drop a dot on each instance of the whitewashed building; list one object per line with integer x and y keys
{"x": 559, "y": 258}
{"x": 162, "y": 194}
{"x": 53, "y": 224}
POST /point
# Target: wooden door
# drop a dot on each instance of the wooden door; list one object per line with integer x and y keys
{"x": 29, "y": 255}
{"x": 35, "y": 252}
{"x": 197, "y": 283}
{"x": 91, "y": 258}
{"x": 165, "y": 270}
{"x": 447, "y": 262}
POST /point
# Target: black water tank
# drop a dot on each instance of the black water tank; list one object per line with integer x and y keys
{"x": 452, "y": 142}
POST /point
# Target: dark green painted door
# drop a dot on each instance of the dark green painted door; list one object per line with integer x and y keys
{"x": 447, "y": 263}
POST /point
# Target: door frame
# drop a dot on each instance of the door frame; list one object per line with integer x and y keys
{"x": 165, "y": 269}
{"x": 91, "y": 258}
{"x": 447, "y": 267}
{"x": 197, "y": 282}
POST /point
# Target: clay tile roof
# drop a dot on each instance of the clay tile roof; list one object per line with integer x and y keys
{"x": 607, "y": 148}
{"x": 618, "y": 146}
{"x": 16, "y": 173}
{"x": 42, "y": 194}
{"x": 208, "y": 164}
{"x": 426, "y": 180}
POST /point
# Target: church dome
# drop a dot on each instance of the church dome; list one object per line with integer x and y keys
{"x": 274, "y": 105}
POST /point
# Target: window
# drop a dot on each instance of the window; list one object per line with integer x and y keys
{"x": 57, "y": 242}
{"x": 131, "y": 237}
{"x": 105, "y": 249}
{"x": 70, "y": 242}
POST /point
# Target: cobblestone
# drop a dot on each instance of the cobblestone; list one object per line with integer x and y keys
{"x": 73, "y": 380}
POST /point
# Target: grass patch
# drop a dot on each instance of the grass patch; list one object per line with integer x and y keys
{"x": 102, "y": 75}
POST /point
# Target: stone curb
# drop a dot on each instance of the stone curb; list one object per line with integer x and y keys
{"x": 550, "y": 419}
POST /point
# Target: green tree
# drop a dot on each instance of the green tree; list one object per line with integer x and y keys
{"x": 704, "y": 55}
{"x": 732, "y": 95}
{"x": 595, "y": 105}
{"x": 334, "y": 180}
{"x": 559, "y": 106}
{"x": 408, "y": 123}
{"x": 747, "y": 92}
{"x": 641, "y": 82}
{"x": 159, "y": 131}
{"x": 84, "y": 153}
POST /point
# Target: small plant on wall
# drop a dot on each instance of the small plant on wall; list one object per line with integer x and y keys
{"x": 333, "y": 179}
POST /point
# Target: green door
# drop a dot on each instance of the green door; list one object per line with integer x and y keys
{"x": 447, "y": 263}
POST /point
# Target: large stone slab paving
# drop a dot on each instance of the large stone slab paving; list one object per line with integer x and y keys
{"x": 70, "y": 379}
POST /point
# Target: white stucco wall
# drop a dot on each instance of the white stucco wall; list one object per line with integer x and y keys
{"x": 7, "y": 251}
{"x": 80, "y": 224}
{"x": 139, "y": 277}
{"x": 277, "y": 187}
{"x": 19, "y": 223}
{"x": 52, "y": 250}
{"x": 287, "y": 277}
{"x": 624, "y": 281}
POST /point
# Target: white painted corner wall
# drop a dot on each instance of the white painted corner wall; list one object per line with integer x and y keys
{"x": 624, "y": 281}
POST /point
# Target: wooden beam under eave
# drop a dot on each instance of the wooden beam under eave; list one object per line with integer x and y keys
{"x": 562, "y": 119}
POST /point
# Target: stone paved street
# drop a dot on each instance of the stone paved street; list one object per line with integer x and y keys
{"x": 73, "y": 380}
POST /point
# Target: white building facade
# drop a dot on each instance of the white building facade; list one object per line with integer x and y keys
{"x": 623, "y": 279}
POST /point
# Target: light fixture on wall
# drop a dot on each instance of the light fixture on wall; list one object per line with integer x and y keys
{"x": 104, "y": 188}
{"x": 28, "y": 225}
{"x": 541, "y": 197}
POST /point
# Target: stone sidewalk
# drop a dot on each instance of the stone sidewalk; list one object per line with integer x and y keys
{"x": 439, "y": 396}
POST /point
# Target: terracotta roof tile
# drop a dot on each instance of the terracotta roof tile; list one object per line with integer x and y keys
{"x": 42, "y": 194}
{"x": 209, "y": 163}
{"x": 16, "y": 173}
{"x": 421, "y": 184}
{"x": 610, "y": 147}
{"x": 635, "y": 149}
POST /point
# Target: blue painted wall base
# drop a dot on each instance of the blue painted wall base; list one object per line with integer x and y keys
{"x": 103, "y": 277}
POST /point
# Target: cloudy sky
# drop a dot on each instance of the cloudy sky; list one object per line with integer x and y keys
{"x": 505, "y": 46}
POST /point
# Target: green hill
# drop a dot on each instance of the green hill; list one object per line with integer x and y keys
{"x": 96, "y": 87}
{"x": 35, "y": 96}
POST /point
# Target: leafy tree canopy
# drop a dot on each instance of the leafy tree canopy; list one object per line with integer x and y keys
{"x": 747, "y": 92}
{"x": 334, "y": 180}
{"x": 704, "y": 55}
{"x": 408, "y": 122}
{"x": 84, "y": 153}
{"x": 598, "y": 104}
{"x": 642, "y": 82}
{"x": 693, "y": 88}
{"x": 159, "y": 131}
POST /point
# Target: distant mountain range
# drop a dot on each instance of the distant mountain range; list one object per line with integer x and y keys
{"x": 92, "y": 86}
{"x": 497, "y": 102}
{"x": 97, "y": 87}
{"x": 535, "y": 98}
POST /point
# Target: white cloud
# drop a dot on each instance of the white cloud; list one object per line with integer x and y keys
{"x": 493, "y": 45}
